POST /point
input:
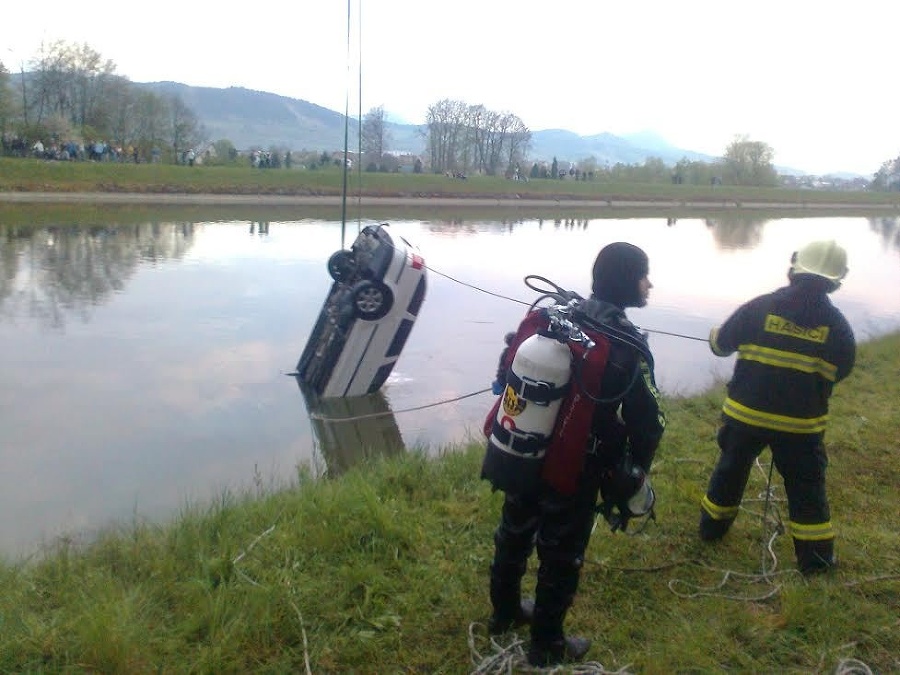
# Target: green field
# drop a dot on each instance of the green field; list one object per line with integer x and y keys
{"x": 28, "y": 175}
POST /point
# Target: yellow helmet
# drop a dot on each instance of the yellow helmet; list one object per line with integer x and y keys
{"x": 825, "y": 259}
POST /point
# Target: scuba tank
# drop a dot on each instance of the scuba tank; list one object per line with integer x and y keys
{"x": 525, "y": 415}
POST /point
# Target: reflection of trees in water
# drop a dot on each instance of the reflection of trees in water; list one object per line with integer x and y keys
{"x": 736, "y": 230}
{"x": 888, "y": 228}
{"x": 457, "y": 226}
{"x": 9, "y": 260}
{"x": 55, "y": 271}
{"x": 568, "y": 224}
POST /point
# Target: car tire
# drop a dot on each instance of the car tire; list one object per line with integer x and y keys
{"x": 372, "y": 300}
{"x": 341, "y": 265}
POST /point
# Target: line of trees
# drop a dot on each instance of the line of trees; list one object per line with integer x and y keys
{"x": 463, "y": 138}
{"x": 71, "y": 94}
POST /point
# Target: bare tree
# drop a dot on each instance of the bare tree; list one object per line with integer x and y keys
{"x": 93, "y": 79}
{"x": 374, "y": 137}
{"x": 70, "y": 82}
{"x": 517, "y": 140}
{"x": 463, "y": 137}
{"x": 7, "y": 105}
{"x": 119, "y": 112}
{"x": 185, "y": 129}
{"x": 151, "y": 122}
{"x": 446, "y": 132}
{"x": 479, "y": 124}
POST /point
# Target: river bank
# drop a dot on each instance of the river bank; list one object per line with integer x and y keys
{"x": 432, "y": 201}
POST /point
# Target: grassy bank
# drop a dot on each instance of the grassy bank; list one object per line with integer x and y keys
{"x": 28, "y": 175}
{"x": 384, "y": 570}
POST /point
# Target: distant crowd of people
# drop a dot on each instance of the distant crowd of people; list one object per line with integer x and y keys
{"x": 96, "y": 151}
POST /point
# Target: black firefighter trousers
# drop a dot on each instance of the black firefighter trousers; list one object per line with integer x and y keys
{"x": 801, "y": 460}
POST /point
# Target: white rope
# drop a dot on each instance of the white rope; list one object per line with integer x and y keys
{"x": 852, "y": 667}
{"x": 511, "y": 658}
{"x": 773, "y": 526}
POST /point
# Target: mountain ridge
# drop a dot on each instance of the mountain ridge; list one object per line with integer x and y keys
{"x": 251, "y": 118}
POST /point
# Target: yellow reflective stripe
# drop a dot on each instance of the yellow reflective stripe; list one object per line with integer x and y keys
{"x": 648, "y": 380}
{"x": 718, "y": 512}
{"x": 759, "y": 418}
{"x": 816, "y": 532}
{"x": 784, "y": 359}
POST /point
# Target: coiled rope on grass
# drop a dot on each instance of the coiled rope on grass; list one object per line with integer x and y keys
{"x": 507, "y": 655}
{"x": 773, "y": 527}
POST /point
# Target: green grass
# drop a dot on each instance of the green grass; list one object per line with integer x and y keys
{"x": 384, "y": 570}
{"x": 28, "y": 175}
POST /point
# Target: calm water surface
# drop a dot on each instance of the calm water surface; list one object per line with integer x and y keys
{"x": 145, "y": 367}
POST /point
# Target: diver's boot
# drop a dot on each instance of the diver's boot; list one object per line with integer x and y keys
{"x": 499, "y": 624}
{"x": 549, "y": 644}
{"x": 510, "y": 611}
{"x": 567, "y": 648}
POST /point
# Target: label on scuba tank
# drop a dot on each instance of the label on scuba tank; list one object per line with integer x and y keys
{"x": 513, "y": 404}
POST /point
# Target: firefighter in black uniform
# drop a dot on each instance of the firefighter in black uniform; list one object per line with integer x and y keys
{"x": 792, "y": 346}
{"x": 559, "y": 524}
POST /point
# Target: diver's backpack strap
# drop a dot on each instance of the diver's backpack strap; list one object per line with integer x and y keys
{"x": 571, "y": 437}
{"x": 539, "y": 393}
{"x": 524, "y": 444}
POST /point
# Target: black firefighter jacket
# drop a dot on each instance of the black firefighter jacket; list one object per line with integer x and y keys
{"x": 792, "y": 346}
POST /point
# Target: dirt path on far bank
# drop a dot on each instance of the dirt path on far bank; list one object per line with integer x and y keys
{"x": 413, "y": 201}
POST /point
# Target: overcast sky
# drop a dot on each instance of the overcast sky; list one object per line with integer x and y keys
{"x": 816, "y": 80}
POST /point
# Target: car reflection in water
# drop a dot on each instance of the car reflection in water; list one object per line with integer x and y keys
{"x": 348, "y": 431}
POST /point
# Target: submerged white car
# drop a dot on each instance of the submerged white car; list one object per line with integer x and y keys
{"x": 378, "y": 290}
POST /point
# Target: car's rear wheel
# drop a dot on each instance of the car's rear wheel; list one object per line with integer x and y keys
{"x": 372, "y": 300}
{"x": 341, "y": 265}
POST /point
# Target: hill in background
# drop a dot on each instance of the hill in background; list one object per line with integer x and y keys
{"x": 251, "y": 119}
